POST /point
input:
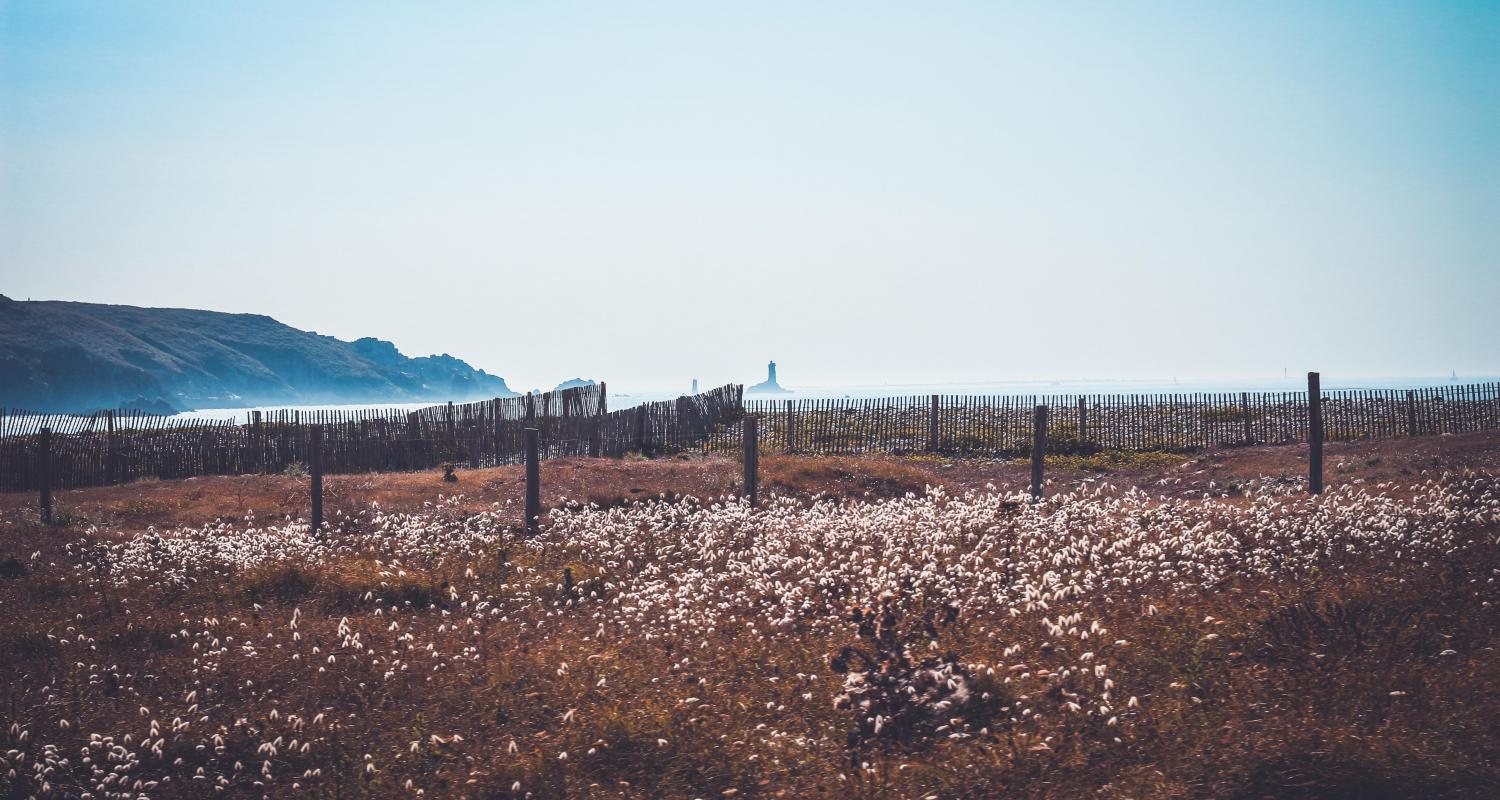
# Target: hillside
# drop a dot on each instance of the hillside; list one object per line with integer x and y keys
{"x": 62, "y": 356}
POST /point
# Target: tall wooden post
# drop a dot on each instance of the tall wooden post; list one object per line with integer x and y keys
{"x": 315, "y": 464}
{"x": 751, "y": 442}
{"x": 1038, "y": 451}
{"x": 932, "y": 426}
{"x": 533, "y": 482}
{"x": 530, "y": 406}
{"x": 1314, "y": 435}
{"x": 791, "y": 428}
{"x": 44, "y": 474}
{"x": 1245, "y": 416}
{"x": 603, "y": 405}
{"x": 111, "y": 454}
{"x": 1411, "y": 413}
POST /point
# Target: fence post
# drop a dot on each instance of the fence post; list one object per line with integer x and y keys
{"x": 932, "y": 426}
{"x": 495, "y": 416}
{"x": 596, "y": 435}
{"x": 1245, "y": 416}
{"x": 1314, "y": 435}
{"x": 476, "y": 435}
{"x": 640, "y": 429}
{"x": 1411, "y": 413}
{"x": 596, "y": 438}
{"x": 1038, "y": 451}
{"x": 533, "y": 482}
{"x": 530, "y": 407}
{"x": 678, "y": 422}
{"x": 1083, "y": 424}
{"x": 44, "y": 474}
{"x": 452, "y": 437}
{"x": 257, "y": 442}
{"x": 751, "y": 442}
{"x": 791, "y": 427}
{"x": 315, "y": 464}
{"x": 110, "y": 456}
{"x": 417, "y": 452}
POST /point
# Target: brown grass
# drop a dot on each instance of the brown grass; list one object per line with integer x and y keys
{"x": 844, "y": 477}
{"x": 1293, "y": 699}
{"x": 611, "y": 482}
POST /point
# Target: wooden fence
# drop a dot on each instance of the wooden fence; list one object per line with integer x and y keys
{"x": 120, "y": 446}
{"x": 1003, "y": 426}
{"x": 115, "y": 447}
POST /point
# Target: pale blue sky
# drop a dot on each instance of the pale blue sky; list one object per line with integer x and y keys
{"x": 649, "y": 192}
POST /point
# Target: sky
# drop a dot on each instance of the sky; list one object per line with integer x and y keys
{"x": 866, "y": 192}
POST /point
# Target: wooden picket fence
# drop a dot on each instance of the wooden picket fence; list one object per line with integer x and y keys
{"x": 120, "y": 446}
{"x": 1002, "y": 426}
{"x": 117, "y": 447}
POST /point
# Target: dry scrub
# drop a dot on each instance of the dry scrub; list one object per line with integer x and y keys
{"x": 1107, "y": 642}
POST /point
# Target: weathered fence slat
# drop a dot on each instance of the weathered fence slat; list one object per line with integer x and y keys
{"x": 1314, "y": 435}
{"x": 315, "y": 467}
{"x": 44, "y": 475}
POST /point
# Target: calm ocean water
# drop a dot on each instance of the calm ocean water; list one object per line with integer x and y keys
{"x": 625, "y": 398}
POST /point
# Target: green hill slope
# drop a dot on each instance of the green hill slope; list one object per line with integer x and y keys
{"x": 62, "y": 356}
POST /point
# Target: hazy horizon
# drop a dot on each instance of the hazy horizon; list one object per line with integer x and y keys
{"x": 811, "y": 387}
{"x": 866, "y": 193}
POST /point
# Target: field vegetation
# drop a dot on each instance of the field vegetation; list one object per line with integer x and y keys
{"x": 1174, "y": 626}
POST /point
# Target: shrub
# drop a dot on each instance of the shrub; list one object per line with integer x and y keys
{"x": 896, "y": 698}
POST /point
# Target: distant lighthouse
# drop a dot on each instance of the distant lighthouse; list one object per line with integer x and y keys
{"x": 769, "y": 386}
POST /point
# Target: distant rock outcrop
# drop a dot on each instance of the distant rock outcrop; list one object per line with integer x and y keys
{"x": 769, "y": 385}
{"x": 61, "y": 356}
{"x": 575, "y": 383}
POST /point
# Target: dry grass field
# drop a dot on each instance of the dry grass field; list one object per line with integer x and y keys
{"x": 1160, "y": 626}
